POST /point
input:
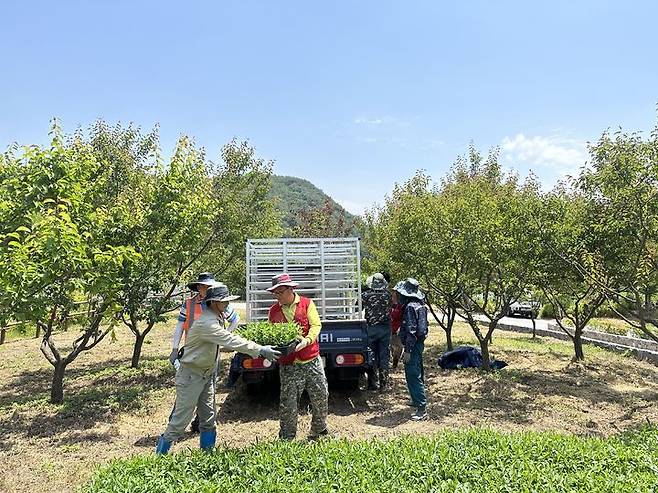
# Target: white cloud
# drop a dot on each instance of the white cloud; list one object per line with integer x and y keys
{"x": 382, "y": 121}
{"x": 368, "y": 121}
{"x": 561, "y": 155}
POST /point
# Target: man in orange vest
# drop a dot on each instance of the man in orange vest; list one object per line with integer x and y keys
{"x": 302, "y": 369}
{"x": 191, "y": 310}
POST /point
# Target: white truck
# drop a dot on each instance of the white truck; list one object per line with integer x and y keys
{"x": 328, "y": 271}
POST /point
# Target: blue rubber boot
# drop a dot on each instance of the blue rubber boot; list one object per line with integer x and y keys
{"x": 207, "y": 440}
{"x": 163, "y": 446}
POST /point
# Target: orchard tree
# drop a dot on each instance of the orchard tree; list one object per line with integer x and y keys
{"x": 54, "y": 258}
{"x": 621, "y": 184}
{"x": 198, "y": 215}
{"x": 399, "y": 239}
{"x": 570, "y": 271}
{"x": 467, "y": 240}
{"x": 482, "y": 235}
{"x": 176, "y": 214}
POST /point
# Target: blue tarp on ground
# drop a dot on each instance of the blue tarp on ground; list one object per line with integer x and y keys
{"x": 466, "y": 357}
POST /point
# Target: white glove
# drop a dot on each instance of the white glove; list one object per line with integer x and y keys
{"x": 302, "y": 344}
{"x": 269, "y": 353}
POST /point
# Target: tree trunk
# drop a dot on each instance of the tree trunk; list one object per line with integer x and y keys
{"x": 137, "y": 349}
{"x": 3, "y": 333}
{"x": 57, "y": 388}
{"x": 534, "y": 327}
{"x": 578, "y": 345}
{"x": 452, "y": 312}
{"x": 486, "y": 359}
{"x": 37, "y": 333}
{"x": 448, "y": 332}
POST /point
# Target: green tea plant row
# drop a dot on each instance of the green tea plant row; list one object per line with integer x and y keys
{"x": 269, "y": 333}
{"x": 464, "y": 461}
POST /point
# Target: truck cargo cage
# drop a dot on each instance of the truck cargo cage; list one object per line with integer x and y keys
{"x": 328, "y": 271}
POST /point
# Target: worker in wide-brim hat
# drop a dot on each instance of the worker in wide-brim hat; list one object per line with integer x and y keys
{"x": 302, "y": 369}
{"x": 190, "y": 310}
{"x": 377, "y": 306}
{"x": 413, "y": 331}
{"x": 195, "y": 377}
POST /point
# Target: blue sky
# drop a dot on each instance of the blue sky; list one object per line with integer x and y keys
{"x": 351, "y": 95}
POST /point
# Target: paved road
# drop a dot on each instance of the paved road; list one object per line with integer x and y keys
{"x": 522, "y": 322}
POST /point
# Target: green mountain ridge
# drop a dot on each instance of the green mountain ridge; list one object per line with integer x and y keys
{"x": 293, "y": 195}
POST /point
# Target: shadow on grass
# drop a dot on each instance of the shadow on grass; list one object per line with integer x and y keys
{"x": 93, "y": 394}
{"x": 262, "y": 403}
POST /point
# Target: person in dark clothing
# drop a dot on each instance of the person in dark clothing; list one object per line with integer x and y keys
{"x": 413, "y": 332}
{"x": 396, "y": 322}
{"x": 377, "y": 305}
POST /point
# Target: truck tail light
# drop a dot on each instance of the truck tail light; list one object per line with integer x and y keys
{"x": 255, "y": 363}
{"x": 351, "y": 359}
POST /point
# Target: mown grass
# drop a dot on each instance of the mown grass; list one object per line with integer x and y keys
{"x": 464, "y": 461}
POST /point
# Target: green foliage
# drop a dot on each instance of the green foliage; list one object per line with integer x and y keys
{"x": 55, "y": 223}
{"x": 243, "y": 209}
{"x": 294, "y": 197}
{"x": 621, "y": 184}
{"x": 267, "y": 333}
{"x": 465, "y": 240}
{"x": 569, "y": 270}
{"x": 474, "y": 461}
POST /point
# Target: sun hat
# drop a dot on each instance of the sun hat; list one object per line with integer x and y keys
{"x": 205, "y": 278}
{"x": 282, "y": 280}
{"x": 410, "y": 288}
{"x": 219, "y": 292}
{"x": 377, "y": 282}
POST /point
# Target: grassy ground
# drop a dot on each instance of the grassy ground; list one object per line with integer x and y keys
{"x": 113, "y": 411}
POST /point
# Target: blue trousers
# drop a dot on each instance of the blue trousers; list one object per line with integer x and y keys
{"x": 414, "y": 374}
{"x": 379, "y": 339}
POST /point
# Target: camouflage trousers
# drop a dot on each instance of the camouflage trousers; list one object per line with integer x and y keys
{"x": 396, "y": 349}
{"x": 296, "y": 378}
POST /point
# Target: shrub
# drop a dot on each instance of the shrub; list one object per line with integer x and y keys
{"x": 270, "y": 333}
{"x": 547, "y": 311}
{"x": 473, "y": 461}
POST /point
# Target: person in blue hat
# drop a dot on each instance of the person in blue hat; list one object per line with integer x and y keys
{"x": 413, "y": 332}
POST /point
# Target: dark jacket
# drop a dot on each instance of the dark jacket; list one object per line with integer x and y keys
{"x": 414, "y": 324}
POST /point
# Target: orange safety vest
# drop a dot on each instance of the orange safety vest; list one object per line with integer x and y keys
{"x": 193, "y": 310}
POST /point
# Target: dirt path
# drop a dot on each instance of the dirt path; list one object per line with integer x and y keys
{"x": 113, "y": 411}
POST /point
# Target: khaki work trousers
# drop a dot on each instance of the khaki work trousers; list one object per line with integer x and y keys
{"x": 296, "y": 378}
{"x": 194, "y": 390}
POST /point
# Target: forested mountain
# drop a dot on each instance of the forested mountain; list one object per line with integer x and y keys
{"x": 295, "y": 195}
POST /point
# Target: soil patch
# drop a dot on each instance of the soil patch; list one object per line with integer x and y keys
{"x": 111, "y": 410}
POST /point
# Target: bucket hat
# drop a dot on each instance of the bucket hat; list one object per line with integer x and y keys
{"x": 410, "y": 288}
{"x": 377, "y": 282}
{"x": 205, "y": 278}
{"x": 219, "y": 292}
{"x": 282, "y": 280}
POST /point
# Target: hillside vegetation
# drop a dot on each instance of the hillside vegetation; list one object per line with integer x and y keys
{"x": 293, "y": 195}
